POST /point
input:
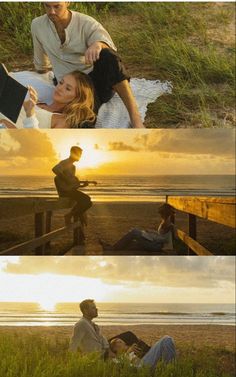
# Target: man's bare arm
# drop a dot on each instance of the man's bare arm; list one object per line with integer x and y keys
{"x": 93, "y": 52}
{"x": 59, "y": 170}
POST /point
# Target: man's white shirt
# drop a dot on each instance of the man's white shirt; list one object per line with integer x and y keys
{"x": 65, "y": 58}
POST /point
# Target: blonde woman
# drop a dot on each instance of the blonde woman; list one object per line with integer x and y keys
{"x": 163, "y": 350}
{"x": 72, "y": 106}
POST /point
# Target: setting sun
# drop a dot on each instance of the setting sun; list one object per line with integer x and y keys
{"x": 91, "y": 157}
{"x": 47, "y": 305}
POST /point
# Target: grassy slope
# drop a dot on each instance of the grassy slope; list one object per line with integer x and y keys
{"x": 34, "y": 356}
{"x": 192, "y": 45}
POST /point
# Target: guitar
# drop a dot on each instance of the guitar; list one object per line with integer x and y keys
{"x": 63, "y": 186}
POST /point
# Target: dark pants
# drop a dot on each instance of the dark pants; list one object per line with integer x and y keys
{"x": 136, "y": 241}
{"x": 108, "y": 71}
{"x": 83, "y": 202}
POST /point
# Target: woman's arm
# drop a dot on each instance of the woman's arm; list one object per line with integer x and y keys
{"x": 134, "y": 348}
{"x": 29, "y": 105}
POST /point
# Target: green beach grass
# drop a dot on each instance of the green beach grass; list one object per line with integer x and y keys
{"x": 34, "y": 356}
{"x": 191, "y": 45}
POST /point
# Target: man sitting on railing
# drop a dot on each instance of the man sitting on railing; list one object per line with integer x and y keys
{"x": 67, "y": 185}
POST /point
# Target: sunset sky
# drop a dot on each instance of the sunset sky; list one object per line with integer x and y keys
{"x": 136, "y": 152}
{"x": 49, "y": 280}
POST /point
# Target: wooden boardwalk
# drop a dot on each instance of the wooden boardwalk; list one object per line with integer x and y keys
{"x": 42, "y": 209}
{"x": 218, "y": 209}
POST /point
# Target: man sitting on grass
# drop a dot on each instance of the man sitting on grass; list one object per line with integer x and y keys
{"x": 87, "y": 338}
{"x": 66, "y": 41}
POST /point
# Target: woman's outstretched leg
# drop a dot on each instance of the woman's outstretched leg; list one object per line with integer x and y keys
{"x": 124, "y": 242}
{"x": 163, "y": 350}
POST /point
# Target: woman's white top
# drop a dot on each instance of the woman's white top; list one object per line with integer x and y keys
{"x": 44, "y": 118}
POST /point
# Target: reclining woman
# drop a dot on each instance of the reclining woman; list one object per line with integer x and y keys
{"x": 72, "y": 106}
{"x": 160, "y": 240}
{"x": 139, "y": 353}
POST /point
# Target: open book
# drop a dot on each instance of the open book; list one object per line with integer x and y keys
{"x": 12, "y": 95}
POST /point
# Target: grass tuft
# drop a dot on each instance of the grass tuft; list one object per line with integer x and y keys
{"x": 35, "y": 356}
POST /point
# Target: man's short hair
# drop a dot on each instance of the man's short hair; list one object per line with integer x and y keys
{"x": 85, "y": 304}
{"x": 76, "y": 150}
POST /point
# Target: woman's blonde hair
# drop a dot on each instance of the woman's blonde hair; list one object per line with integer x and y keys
{"x": 82, "y": 107}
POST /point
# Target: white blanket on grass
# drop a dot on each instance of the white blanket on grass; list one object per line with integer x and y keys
{"x": 112, "y": 114}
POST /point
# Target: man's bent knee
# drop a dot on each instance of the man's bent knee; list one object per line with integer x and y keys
{"x": 108, "y": 53}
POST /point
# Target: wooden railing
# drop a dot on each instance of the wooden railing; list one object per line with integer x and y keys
{"x": 42, "y": 209}
{"x": 218, "y": 209}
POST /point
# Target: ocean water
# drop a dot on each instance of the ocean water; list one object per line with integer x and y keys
{"x": 125, "y": 188}
{"x": 66, "y": 314}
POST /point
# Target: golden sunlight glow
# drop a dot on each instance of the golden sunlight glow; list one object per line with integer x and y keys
{"x": 48, "y": 289}
{"x": 47, "y": 304}
{"x": 91, "y": 157}
{"x": 118, "y": 153}
{"x": 109, "y": 279}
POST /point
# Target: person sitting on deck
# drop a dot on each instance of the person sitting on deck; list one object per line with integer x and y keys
{"x": 151, "y": 240}
{"x": 67, "y": 185}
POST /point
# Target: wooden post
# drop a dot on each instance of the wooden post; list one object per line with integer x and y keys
{"x": 48, "y": 226}
{"x": 39, "y": 226}
{"x": 192, "y": 227}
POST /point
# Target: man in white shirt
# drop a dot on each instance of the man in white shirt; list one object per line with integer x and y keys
{"x": 87, "y": 337}
{"x": 66, "y": 41}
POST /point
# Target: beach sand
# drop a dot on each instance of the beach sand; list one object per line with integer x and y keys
{"x": 110, "y": 221}
{"x": 195, "y": 336}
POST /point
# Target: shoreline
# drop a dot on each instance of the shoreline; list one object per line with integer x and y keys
{"x": 114, "y": 325}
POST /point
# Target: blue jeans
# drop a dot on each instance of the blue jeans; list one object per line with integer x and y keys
{"x": 163, "y": 350}
{"x": 135, "y": 239}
